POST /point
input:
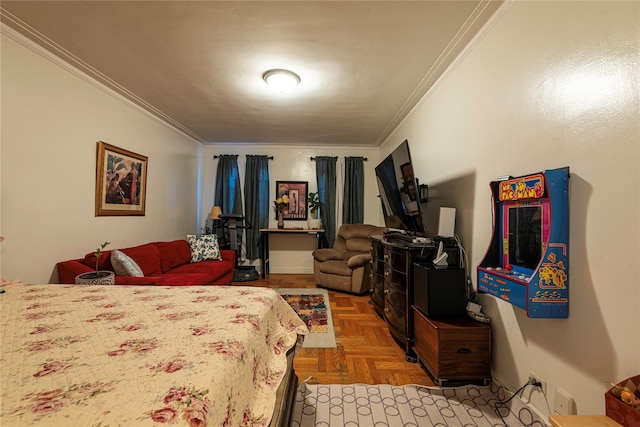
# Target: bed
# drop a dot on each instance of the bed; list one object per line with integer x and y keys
{"x": 146, "y": 356}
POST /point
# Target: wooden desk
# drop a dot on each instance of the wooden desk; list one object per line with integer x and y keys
{"x": 264, "y": 242}
{"x": 582, "y": 421}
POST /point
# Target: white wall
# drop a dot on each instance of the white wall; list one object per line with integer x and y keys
{"x": 292, "y": 254}
{"x": 550, "y": 84}
{"x": 51, "y": 120}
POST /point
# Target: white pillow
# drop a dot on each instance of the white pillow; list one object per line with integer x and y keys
{"x": 203, "y": 247}
{"x": 123, "y": 265}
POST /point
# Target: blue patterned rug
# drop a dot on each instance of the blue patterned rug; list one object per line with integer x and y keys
{"x": 362, "y": 405}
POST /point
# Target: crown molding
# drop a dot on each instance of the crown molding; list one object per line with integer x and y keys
{"x": 27, "y": 36}
{"x": 486, "y": 14}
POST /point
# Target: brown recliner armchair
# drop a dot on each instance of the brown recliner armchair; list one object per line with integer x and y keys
{"x": 346, "y": 267}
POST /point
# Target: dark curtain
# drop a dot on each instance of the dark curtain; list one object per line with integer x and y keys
{"x": 227, "y": 192}
{"x": 256, "y": 199}
{"x": 326, "y": 178}
{"x": 353, "y": 204}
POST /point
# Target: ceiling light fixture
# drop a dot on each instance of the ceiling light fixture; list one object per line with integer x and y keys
{"x": 281, "y": 80}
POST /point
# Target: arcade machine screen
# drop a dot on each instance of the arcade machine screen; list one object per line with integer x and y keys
{"x": 525, "y": 237}
{"x": 524, "y": 231}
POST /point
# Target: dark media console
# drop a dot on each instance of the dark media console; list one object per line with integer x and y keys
{"x": 425, "y": 309}
{"x": 393, "y": 282}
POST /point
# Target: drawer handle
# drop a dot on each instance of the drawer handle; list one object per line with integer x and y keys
{"x": 386, "y": 310}
{"x": 386, "y": 274}
{"x": 464, "y": 350}
{"x": 386, "y": 291}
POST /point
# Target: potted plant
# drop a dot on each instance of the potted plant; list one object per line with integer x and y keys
{"x": 313, "y": 203}
{"x": 98, "y": 277}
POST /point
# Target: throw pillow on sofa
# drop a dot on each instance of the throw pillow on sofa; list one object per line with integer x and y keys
{"x": 204, "y": 247}
{"x": 124, "y": 265}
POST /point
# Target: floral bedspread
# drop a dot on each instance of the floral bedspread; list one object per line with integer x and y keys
{"x": 142, "y": 356}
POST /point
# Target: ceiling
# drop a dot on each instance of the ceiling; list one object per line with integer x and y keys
{"x": 198, "y": 64}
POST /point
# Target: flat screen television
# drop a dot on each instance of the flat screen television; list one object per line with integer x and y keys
{"x": 399, "y": 193}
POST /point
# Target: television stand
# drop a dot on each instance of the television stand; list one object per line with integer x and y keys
{"x": 392, "y": 283}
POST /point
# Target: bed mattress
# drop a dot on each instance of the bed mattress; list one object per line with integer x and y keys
{"x": 142, "y": 355}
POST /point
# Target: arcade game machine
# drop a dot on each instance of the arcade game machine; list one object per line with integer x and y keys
{"x": 527, "y": 262}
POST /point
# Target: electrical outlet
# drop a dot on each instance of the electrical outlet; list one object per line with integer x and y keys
{"x": 563, "y": 404}
{"x": 533, "y": 377}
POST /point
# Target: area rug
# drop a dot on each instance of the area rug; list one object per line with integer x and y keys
{"x": 363, "y": 405}
{"x": 312, "y": 306}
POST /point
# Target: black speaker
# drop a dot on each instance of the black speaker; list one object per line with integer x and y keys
{"x": 439, "y": 291}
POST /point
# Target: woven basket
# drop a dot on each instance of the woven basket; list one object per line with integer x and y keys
{"x": 102, "y": 277}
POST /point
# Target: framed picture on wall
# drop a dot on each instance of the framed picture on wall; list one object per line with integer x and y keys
{"x": 121, "y": 181}
{"x": 296, "y": 191}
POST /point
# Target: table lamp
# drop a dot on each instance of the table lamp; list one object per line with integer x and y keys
{"x": 214, "y": 216}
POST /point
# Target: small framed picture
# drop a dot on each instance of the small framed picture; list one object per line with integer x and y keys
{"x": 121, "y": 181}
{"x": 296, "y": 192}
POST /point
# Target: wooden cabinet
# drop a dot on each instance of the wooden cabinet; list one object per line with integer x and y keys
{"x": 453, "y": 349}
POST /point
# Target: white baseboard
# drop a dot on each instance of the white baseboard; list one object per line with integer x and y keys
{"x": 290, "y": 270}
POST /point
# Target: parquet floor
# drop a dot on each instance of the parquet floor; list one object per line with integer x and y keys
{"x": 366, "y": 352}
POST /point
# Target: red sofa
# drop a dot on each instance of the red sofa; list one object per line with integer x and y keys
{"x": 163, "y": 263}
